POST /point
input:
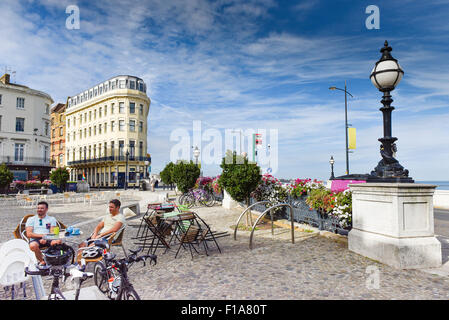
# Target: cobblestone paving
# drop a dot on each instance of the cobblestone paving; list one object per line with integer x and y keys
{"x": 314, "y": 268}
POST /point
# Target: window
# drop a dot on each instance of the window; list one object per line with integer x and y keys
{"x": 90, "y": 131}
{"x": 113, "y": 85}
{"x": 132, "y": 125}
{"x": 0, "y": 123}
{"x": 0, "y": 99}
{"x": 46, "y": 128}
{"x": 112, "y": 108}
{"x": 112, "y": 126}
{"x": 47, "y": 108}
{"x": 112, "y": 149}
{"x": 95, "y": 130}
{"x": 60, "y": 118}
{"x": 20, "y": 124}
{"x": 101, "y": 89}
{"x": 95, "y": 151}
{"x": 121, "y": 107}
{"x": 121, "y": 125}
{"x": 61, "y": 131}
{"x": 122, "y": 84}
{"x": 105, "y": 149}
{"x": 74, "y": 121}
{"x": 121, "y": 146}
{"x": 105, "y": 126}
{"x": 20, "y": 103}
{"x": 141, "y": 149}
{"x": 74, "y": 135}
{"x": 45, "y": 154}
{"x": 95, "y": 114}
{"x": 53, "y": 133}
{"x": 132, "y": 85}
{"x": 140, "y": 126}
{"x": 52, "y": 146}
{"x": 99, "y": 112}
{"x": 18, "y": 151}
{"x": 61, "y": 159}
{"x": 141, "y": 108}
{"x": 132, "y": 107}
{"x": 90, "y": 115}
{"x": 132, "y": 148}
{"x": 105, "y": 110}
{"x": 61, "y": 144}
{"x": 68, "y": 123}
{"x": 99, "y": 129}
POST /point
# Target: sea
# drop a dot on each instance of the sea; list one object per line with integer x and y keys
{"x": 441, "y": 185}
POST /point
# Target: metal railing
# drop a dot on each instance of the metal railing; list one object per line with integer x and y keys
{"x": 106, "y": 159}
{"x": 30, "y": 161}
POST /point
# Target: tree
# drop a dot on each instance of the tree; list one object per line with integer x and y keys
{"x": 239, "y": 177}
{"x": 6, "y": 176}
{"x": 59, "y": 177}
{"x": 167, "y": 174}
{"x": 185, "y": 175}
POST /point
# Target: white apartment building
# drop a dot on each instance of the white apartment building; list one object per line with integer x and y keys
{"x": 24, "y": 130}
{"x": 106, "y": 133}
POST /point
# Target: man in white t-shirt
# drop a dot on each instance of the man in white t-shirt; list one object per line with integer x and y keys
{"x": 111, "y": 223}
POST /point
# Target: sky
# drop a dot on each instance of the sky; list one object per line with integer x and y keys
{"x": 247, "y": 64}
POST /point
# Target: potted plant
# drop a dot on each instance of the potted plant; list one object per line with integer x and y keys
{"x": 59, "y": 177}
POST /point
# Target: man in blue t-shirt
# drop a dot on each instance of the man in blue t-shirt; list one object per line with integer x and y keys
{"x": 38, "y": 226}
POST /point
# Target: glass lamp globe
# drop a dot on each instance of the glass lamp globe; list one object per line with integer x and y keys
{"x": 387, "y": 73}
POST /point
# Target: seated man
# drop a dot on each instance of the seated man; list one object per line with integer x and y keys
{"x": 38, "y": 226}
{"x": 111, "y": 223}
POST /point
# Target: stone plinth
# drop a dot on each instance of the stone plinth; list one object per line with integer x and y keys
{"x": 228, "y": 202}
{"x": 393, "y": 224}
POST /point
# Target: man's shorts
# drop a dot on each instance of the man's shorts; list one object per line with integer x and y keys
{"x": 41, "y": 246}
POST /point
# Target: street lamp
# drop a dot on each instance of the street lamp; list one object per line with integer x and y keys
{"x": 332, "y": 161}
{"x": 385, "y": 76}
{"x": 196, "y": 154}
{"x": 346, "y": 122}
{"x": 126, "y": 170}
{"x": 147, "y": 163}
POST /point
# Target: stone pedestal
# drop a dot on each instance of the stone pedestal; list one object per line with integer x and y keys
{"x": 228, "y": 202}
{"x": 393, "y": 224}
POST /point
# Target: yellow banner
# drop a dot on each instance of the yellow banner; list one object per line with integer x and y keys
{"x": 351, "y": 137}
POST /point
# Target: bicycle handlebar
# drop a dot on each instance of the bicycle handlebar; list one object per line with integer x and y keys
{"x": 40, "y": 272}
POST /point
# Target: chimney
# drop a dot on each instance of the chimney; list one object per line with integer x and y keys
{"x": 5, "y": 78}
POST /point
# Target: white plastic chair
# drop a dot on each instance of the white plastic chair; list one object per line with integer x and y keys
{"x": 15, "y": 255}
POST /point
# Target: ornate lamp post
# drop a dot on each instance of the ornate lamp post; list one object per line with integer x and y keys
{"x": 196, "y": 154}
{"x": 346, "y": 122}
{"x": 332, "y": 161}
{"x": 385, "y": 76}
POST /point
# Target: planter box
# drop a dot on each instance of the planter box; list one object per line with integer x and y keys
{"x": 71, "y": 187}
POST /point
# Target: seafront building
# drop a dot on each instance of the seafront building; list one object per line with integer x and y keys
{"x": 24, "y": 130}
{"x": 106, "y": 133}
{"x": 57, "y": 122}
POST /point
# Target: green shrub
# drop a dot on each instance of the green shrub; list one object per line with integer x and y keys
{"x": 239, "y": 177}
{"x": 6, "y": 176}
{"x": 59, "y": 177}
{"x": 185, "y": 175}
{"x": 167, "y": 174}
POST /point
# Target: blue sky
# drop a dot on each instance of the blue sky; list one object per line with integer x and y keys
{"x": 261, "y": 64}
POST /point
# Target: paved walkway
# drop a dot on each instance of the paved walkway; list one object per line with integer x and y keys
{"x": 314, "y": 268}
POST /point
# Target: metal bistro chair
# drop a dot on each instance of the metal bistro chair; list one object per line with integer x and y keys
{"x": 154, "y": 233}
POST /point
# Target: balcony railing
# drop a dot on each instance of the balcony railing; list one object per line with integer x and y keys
{"x": 29, "y": 161}
{"x": 107, "y": 159}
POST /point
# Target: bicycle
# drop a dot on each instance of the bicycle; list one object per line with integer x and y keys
{"x": 111, "y": 275}
{"x": 201, "y": 196}
{"x": 75, "y": 271}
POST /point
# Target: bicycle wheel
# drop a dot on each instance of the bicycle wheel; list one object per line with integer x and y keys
{"x": 101, "y": 276}
{"x": 129, "y": 294}
{"x": 210, "y": 199}
{"x": 189, "y": 200}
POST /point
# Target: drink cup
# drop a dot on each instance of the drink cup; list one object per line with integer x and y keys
{"x": 56, "y": 230}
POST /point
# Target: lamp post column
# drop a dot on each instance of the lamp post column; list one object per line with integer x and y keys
{"x": 346, "y": 129}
